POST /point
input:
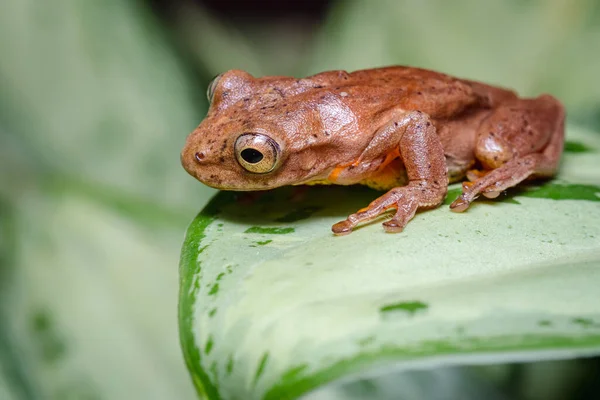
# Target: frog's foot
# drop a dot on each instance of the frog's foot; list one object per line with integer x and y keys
{"x": 492, "y": 183}
{"x": 473, "y": 175}
{"x": 405, "y": 200}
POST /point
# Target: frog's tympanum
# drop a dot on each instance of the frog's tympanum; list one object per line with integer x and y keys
{"x": 403, "y": 130}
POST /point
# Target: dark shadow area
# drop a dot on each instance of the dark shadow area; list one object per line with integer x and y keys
{"x": 292, "y": 204}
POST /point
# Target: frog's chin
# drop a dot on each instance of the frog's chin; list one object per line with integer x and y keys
{"x": 258, "y": 183}
{"x": 243, "y": 187}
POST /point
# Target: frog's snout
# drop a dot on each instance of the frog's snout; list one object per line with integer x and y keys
{"x": 199, "y": 161}
{"x": 192, "y": 159}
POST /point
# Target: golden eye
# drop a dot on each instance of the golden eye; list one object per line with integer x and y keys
{"x": 257, "y": 153}
{"x": 210, "y": 92}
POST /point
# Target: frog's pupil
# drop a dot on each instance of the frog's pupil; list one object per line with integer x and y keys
{"x": 252, "y": 156}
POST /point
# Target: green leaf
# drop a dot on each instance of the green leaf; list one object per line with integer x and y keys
{"x": 576, "y": 147}
{"x": 509, "y": 280}
{"x": 83, "y": 316}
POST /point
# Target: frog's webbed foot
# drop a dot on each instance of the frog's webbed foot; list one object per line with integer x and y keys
{"x": 406, "y": 200}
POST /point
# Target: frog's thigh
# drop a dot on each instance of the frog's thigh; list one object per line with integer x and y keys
{"x": 521, "y": 139}
{"x": 518, "y": 128}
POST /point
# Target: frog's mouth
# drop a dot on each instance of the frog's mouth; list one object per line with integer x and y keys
{"x": 220, "y": 177}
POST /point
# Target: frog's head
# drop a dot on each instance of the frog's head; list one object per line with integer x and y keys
{"x": 257, "y": 135}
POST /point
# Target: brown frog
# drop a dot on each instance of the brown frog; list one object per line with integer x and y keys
{"x": 407, "y": 131}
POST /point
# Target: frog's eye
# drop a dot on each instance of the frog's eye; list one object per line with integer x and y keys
{"x": 210, "y": 92}
{"x": 257, "y": 153}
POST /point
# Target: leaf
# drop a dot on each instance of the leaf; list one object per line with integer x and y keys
{"x": 509, "y": 280}
{"x": 576, "y": 147}
{"x": 84, "y": 313}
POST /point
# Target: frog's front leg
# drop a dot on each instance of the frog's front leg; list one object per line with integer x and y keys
{"x": 423, "y": 156}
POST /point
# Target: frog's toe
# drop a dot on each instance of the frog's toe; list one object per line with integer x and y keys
{"x": 460, "y": 204}
{"x": 342, "y": 228}
{"x": 464, "y": 200}
{"x": 393, "y": 226}
{"x": 491, "y": 193}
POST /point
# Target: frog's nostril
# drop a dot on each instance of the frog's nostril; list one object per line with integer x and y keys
{"x": 199, "y": 157}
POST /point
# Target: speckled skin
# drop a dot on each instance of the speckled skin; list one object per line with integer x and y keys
{"x": 406, "y": 130}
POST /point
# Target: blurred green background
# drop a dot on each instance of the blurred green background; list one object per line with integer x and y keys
{"x": 96, "y": 99}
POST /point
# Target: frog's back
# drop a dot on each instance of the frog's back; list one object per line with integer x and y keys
{"x": 396, "y": 76}
{"x": 440, "y": 95}
{"x": 401, "y": 75}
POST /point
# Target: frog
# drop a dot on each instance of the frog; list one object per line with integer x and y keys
{"x": 406, "y": 131}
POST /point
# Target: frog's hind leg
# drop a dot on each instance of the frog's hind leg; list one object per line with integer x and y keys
{"x": 522, "y": 139}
